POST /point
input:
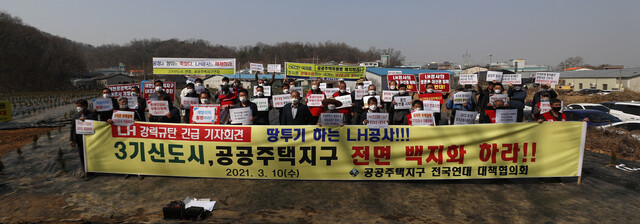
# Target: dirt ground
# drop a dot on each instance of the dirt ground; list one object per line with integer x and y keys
{"x": 12, "y": 139}
{"x": 34, "y": 188}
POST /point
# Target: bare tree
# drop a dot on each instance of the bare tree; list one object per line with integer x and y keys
{"x": 570, "y": 63}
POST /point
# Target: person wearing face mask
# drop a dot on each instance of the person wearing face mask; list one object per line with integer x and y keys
{"x": 555, "y": 113}
{"x": 237, "y": 86}
{"x": 159, "y": 91}
{"x": 373, "y": 108}
{"x": 106, "y": 115}
{"x": 83, "y": 113}
{"x": 398, "y": 115}
{"x": 490, "y": 112}
{"x": 415, "y": 107}
{"x": 544, "y": 89}
{"x": 265, "y": 82}
{"x": 431, "y": 89}
{"x": 199, "y": 86}
{"x": 262, "y": 117}
{"x": 517, "y": 96}
{"x": 497, "y": 88}
{"x": 347, "y": 110}
{"x": 243, "y": 101}
{"x": 474, "y": 95}
{"x": 295, "y": 113}
{"x": 330, "y": 106}
{"x": 142, "y": 102}
{"x": 123, "y": 104}
{"x": 466, "y": 106}
{"x": 315, "y": 111}
{"x": 483, "y": 97}
{"x": 371, "y": 91}
{"x": 205, "y": 98}
{"x": 536, "y": 110}
{"x": 356, "y": 109}
{"x": 172, "y": 117}
{"x": 388, "y": 106}
{"x": 191, "y": 92}
{"x": 226, "y": 97}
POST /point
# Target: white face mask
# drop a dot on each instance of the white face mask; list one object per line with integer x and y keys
{"x": 497, "y": 91}
{"x": 392, "y": 87}
{"x": 314, "y": 87}
{"x": 243, "y": 99}
{"x": 204, "y": 101}
{"x": 372, "y": 92}
{"x": 331, "y": 106}
{"x": 260, "y": 94}
{"x": 158, "y": 88}
{"x": 359, "y": 86}
{"x": 294, "y": 100}
{"x": 402, "y": 91}
{"x": 134, "y": 94}
{"x": 189, "y": 91}
{"x": 106, "y": 95}
{"x": 429, "y": 90}
{"x": 260, "y": 84}
{"x": 343, "y": 91}
{"x": 285, "y": 91}
{"x": 124, "y": 107}
{"x": 417, "y": 109}
{"x": 198, "y": 84}
{"x": 225, "y": 83}
{"x": 373, "y": 107}
{"x": 79, "y": 109}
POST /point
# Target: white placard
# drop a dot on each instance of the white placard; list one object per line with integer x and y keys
{"x": 323, "y": 85}
{"x": 431, "y": 106}
{"x": 394, "y": 72}
{"x": 261, "y": 103}
{"x": 256, "y": 67}
{"x": 123, "y": 118}
{"x": 280, "y": 100}
{"x": 422, "y": 118}
{"x": 158, "y": 107}
{"x": 506, "y": 116}
{"x": 315, "y": 100}
{"x": 387, "y": 95}
{"x": 515, "y": 79}
{"x": 345, "y": 100}
{"x": 494, "y": 76}
{"x": 331, "y": 119}
{"x": 84, "y": 127}
{"x": 132, "y": 102}
{"x": 365, "y": 100}
{"x": 274, "y": 68}
{"x": 367, "y": 84}
{"x": 402, "y": 102}
{"x": 266, "y": 90}
{"x": 188, "y": 101}
{"x": 328, "y": 92}
{"x": 241, "y": 115}
{"x": 360, "y": 93}
{"x": 545, "y": 107}
{"x": 468, "y": 79}
{"x": 461, "y": 97}
{"x": 204, "y": 113}
{"x": 503, "y": 97}
{"x": 551, "y": 78}
{"x": 299, "y": 89}
{"x": 102, "y": 104}
{"x": 465, "y": 117}
{"x": 377, "y": 120}
{"x": 200, "y": 89}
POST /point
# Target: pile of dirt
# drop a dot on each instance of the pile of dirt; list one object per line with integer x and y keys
{"x": 624, "y": 96}
{"x": 12, "y": 139}
{"x": 618, "y": 142}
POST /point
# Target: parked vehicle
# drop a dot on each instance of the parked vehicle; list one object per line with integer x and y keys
{"x": 588, "y": 91}
{"x": 626, "y": 111}
{"x": 608, "y": 104}
{"x": 593, "y": 106}
{"x": 629, "y": 126}
{"x": 596, "y": 117}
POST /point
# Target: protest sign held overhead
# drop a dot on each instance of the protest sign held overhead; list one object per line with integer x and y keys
{"x": 328, "y": 92}
{"x": 345, "y": 100}
{"x": 280, "y": 100}
{"x": 515, "y": 79}
{"x": 431, "y": 106}
{"x": 149, "y": 88}
{"x": 329, "y": 72}
{"x": 550, "y": 78}
{"x": 468, "y": 79}
{"x": 360, "y": 93}
{"x": 194, "y": 66}
{"x": 503, "y": 97}
{"x": 394, "y": 72}
{"x": 440, "y": 81}
{"x": 315, "y": 100}
{"x": 121, "y": 90}
{"x": 265, "y": 89}
{"x": 402, "y": 102}
{"x": 461, "y": 97}
{"x": 261, "y": 103}
{"x": 102, "y": 104}
{"x": 431, "y": 96}
{"x": 387, "y": 95}
{"x": 188, "y": 101}
{"x": 274, "y": 68}
{"x": 256, "y": 67}
{"x": 409, "y": 80}
{"x": 494, "y": 76}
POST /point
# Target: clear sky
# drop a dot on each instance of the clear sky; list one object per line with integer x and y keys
{"x": 541, "y": 31}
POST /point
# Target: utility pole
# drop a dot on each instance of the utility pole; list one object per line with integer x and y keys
{"x": 490, "y": 61}
{"x": 620, "y": 80}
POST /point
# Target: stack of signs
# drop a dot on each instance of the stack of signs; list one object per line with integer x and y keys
{"x": 345, "y": 100}
{"x": 274, "y": 68}
{"x": 299, "y": 89}
{"x": 315, "y": 100}
{"x": 440, "y": 81}
{"x": 280, "y": 100}
{"x": 266, "y": 90}
{"x": 402, "y": 102}
{"x": 465, "y": 117}
{"x": 461, "y": 97}
{"x": 422, "y": 118}
{"x": 468, "y": 79}
{"x": 256, "y": 67}
{"x": 102, "y": 104}
{"x": 328, "y": 92}
{"x": 132, "y": 102}
{"x": 503, "y": 97}
{"x": 204, "y": 113}
{"x": 409, "y": 80}
{"x": 84, "y": 127}
{"x": 431, "y": 106}
{"x": 387, "y": 95}
{"x": 550, "y": 78}
{"x": 515, "y": 79}
{"x": 261, "y": 103}
{"x": 241, "y": 115}
{"x": 122, "y": 118}
{"x": 158, "y": 107}
{"x": 360, "y": 93}
{"x": 331, "y": 119}
{"x": 506, "y": 116}
{"x": 494, "y": 76}
{"x": 365, "y": 100}
{"x": 188, "y": 101}
{"x": 377, "y": 120}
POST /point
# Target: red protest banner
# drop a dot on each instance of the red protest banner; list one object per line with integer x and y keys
{"x": 149, "y": 88}
{"x": 439, "y": 80}
{"x": 409, "y": 80}
{"x": 430, "y": 96}
{"x": 122, "y": 89}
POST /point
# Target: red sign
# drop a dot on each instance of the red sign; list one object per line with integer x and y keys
{"x": 122, "y": 89}
{"x": 149, "y": 88}
{"x": 186, "y": 132}
{"x": 439, "y": 80}
{"x": 431, "y": 96}
{"x": 409, "y": 80}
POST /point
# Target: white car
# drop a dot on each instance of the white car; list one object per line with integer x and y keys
{"x": 592, "y": 106}
{"x": 626, "y": 111}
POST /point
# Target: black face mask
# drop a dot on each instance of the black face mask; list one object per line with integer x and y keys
{"x": 556, "y": 109}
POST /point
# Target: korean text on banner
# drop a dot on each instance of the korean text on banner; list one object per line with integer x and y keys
{"x": 315, "y": 100}
{"x": 122, "y": 89}
{"x": 360, "y": 93}
{"x": 515, "y": 79}
{"x": 241, "y": 115}
{"x": 521, "y": 150}
{"x": 461, "y": 97}
{"x": 280, "y": 100}
{"x": 551, "y": 78}
{"x": 148, "y": 88}
{"x": 394, "y": 72}
{"x": 345, "y": 100}
{"x": 402, "y": 102}
{"x": 431, "y": 96}
{"x": 299, "y": 89}
{"x": 5, "y": 111}
{"x": 122, "y": 118}
{"x": 506, "y": 116}
{"x": 468, "y": 79}
{"x": 261, "y": 103}
{"x": 194, "y": 66}
{"x": 331, "y": 119}
{"x": 387, "y": 95}
{"x": 365, "y": 100}
{"x": 465, "y": 117}
{"x": 188, "y": 101}
{"x": 494, "y": 76}
{"x": 440, "y": 81}
{"x": 266, "y": 90}
{"x": 102, "y": 104}
{"x": 329, "y": 72}
{"x": 545, "y": 107}
{"x": 84, "y": 127}
{"x": 377, "y": 120}
{"x": 204, "y": 114}
{"x": 431, "y": 106}
{"x": 158, "y": 107}
{"x": 132, "y": 102}
{"x": 503, "y": 97}
{"x": 422, "y": 118}
{"x": 256, "y": 67}
{"x": 328, "y": 92}
{"x": 274, "y": 68}
{"x": 409, "y": 80}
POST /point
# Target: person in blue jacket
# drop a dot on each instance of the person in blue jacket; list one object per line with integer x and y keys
{"x": 467, "y": 106}
{"x": 517, "y": 97}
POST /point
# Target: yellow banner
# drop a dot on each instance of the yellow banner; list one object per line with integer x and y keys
{"x": 5, "y": 111}
{"x": 199, "y": 71}
{"x": 331, "y": 72}
{"x": 551, "y": 149}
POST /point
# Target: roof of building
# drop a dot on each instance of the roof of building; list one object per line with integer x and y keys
{"x": 110, "y": 76}
{"x": 611, "y": 73}
{"x": 384, "y": 71}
